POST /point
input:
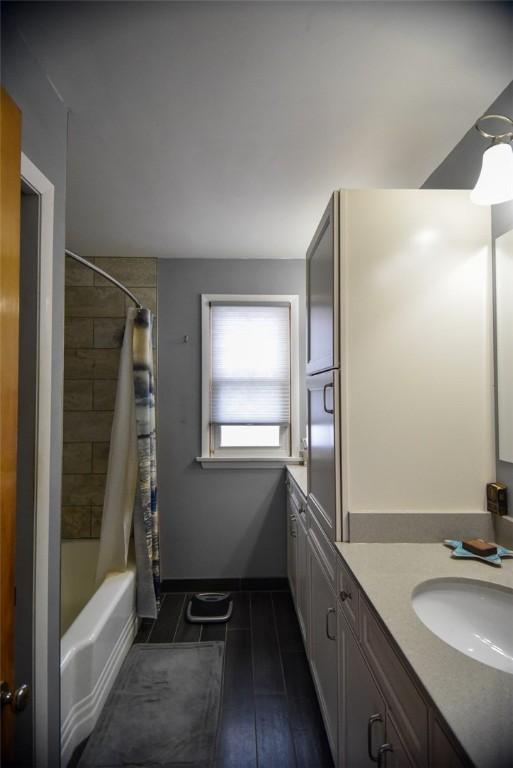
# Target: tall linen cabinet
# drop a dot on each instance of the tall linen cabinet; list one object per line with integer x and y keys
{"x": 399, "y": 356}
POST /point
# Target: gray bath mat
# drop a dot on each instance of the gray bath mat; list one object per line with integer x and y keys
{"x": 162, "y": 711}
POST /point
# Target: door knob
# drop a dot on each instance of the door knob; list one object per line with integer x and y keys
{"x": 18, "y": 700}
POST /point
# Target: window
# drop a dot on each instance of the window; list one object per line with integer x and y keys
{"x": 250, "y": 377}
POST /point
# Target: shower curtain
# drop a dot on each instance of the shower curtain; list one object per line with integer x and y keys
{"x": 131, "y": 487}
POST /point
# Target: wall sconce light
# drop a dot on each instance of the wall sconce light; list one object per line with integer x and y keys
{"x": 495, "y": 182}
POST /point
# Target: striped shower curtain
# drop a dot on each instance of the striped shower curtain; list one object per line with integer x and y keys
{"x": 146, "y": 516}
{"x": 131, "y": 486}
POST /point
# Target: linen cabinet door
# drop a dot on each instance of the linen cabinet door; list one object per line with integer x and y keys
{"x": 323, "y": 644}
{"x": 292, "y": 525}
{"x": 322, "y": 294}
{"x": 363, "y": 712}
{"x": 323, "y": 450}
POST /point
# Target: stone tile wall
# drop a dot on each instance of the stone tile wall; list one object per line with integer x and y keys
{"x": 95, "y": 317}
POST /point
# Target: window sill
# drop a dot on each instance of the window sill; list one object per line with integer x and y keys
{"x": 249, "y": 462}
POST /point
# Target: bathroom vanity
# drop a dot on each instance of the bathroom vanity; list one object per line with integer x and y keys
{"x": 391, "y": 692}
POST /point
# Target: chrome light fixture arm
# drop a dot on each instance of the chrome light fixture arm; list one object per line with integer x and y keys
{"x": 496, "y": 138}
{"x": 495, "y": 182}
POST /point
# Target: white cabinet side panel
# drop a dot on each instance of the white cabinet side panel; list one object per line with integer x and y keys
{"x": 419, "y": 350}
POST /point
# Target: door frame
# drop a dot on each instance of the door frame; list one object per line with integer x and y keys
{"x": 44, "y": 189}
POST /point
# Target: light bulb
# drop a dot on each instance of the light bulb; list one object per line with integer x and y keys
{"x": 495, "y": 182}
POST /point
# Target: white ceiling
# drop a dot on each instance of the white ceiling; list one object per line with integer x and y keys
{"x": 220, "y": 129}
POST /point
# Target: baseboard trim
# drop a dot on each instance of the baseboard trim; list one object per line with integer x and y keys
{"x": 225, "y": 585}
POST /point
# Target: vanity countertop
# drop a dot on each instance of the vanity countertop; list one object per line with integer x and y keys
{"x": 300, "y": 474}
{"x": 476, "y": 700}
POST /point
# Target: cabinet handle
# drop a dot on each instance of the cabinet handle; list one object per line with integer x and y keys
{"x": 326, "y": 386}
{"x": 292, "y": 528}
{"x": 328, "y": 634}
{"x": 377, "y": 718}
{"x": 384, "y": 748}
{"x": 345, "y": 596}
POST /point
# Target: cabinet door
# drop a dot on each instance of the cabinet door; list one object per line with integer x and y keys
{"x": 443, "y": 753}
{"x": 302, "y": 593}
{"x": 393, "y": 753}
{"x": 322, "y": 293}
{"x": 323, "y": 450}
{"x": 362, "y": 717}
{"x": 292, "y": 545}
{"x": 323, "y": 644}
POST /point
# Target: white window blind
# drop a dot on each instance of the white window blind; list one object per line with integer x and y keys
{"x": 250, "y": 366}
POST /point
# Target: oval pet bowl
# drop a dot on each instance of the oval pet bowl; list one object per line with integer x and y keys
{"x": 209, "y": 607}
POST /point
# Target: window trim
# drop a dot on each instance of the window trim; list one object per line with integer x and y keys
{"x": 246, "y": 456}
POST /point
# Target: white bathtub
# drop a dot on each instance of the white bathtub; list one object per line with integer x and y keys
{"x": 94, "y": 646}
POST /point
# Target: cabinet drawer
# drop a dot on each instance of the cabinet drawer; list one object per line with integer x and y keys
{"x": 407, "y": 707}
{"x": 323, "y": 548}
{"x": 347, "y": 593}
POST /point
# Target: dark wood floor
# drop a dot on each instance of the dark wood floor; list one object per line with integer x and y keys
{"x": 270, "y": 716}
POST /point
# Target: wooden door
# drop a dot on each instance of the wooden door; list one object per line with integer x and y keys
{"x": 322, "y": 293}
{"x": 323, "y": 644}
{"x": 363, "y": 712}
{"x": 10, "y": 196}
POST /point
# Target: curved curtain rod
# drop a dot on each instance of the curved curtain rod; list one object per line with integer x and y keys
{"x": 105, "y": 275}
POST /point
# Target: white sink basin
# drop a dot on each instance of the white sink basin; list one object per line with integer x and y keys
{"x": 475, "y": 617}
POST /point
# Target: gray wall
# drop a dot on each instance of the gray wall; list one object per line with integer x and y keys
{"x": 214, "y": 522}
{"x": 460, "y": 170}
{"x": 44, "y": 140}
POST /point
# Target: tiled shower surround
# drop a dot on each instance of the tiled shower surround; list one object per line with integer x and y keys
{"x": 94, "y": 323}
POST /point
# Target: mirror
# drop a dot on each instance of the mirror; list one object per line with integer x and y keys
{"x": 504, "y": 320}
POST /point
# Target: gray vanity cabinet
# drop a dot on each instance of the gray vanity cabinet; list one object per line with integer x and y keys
{"x": 297, "y": 564}
{"x": 323, "y": 641}
{"x": 368, "y": 734}
{"x": 384, "y": 718}
{"x": 363, "y": 712}
{"x": 375, "y": 711}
